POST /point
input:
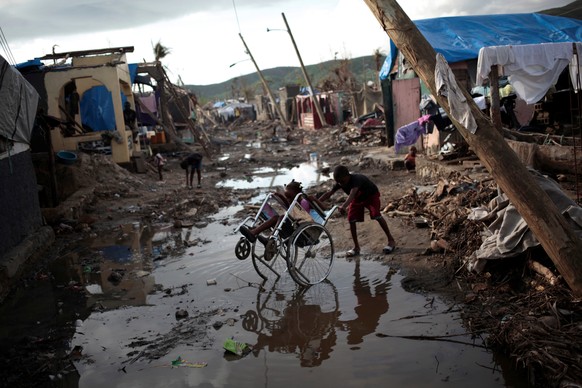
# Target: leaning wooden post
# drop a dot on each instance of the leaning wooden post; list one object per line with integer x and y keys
{"x": 265, "y": 84}
{"x": 534, "y": 205}
{"x": 314, "y": 100}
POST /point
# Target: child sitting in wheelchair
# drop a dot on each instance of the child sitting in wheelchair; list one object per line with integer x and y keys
{"x": 283, "y": 202}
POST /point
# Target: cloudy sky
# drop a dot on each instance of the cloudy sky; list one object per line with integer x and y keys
{"x": 203, "y": 35}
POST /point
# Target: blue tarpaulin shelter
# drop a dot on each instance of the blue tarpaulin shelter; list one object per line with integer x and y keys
{"x": 97, "y": 109}
{"x": 460, "y": 38}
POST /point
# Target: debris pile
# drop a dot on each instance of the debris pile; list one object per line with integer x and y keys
{"x": 523, "y": 305}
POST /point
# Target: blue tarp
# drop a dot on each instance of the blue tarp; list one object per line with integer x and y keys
{"x": 30, "y": 63}
{"x": 97, "y": 109}
{"x": 460, "y": 38}
{"x": 132, "y": 71}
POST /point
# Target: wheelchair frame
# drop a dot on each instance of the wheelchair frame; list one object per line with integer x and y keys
{"x": 297, "y": 243}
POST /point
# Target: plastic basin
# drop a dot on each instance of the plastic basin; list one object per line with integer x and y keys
{"x": 66, "y": 157}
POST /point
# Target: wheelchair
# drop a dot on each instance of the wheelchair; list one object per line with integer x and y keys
{"x": 299, "y": 243}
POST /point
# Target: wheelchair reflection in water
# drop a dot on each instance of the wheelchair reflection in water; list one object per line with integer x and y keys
{"x": 305, "y": 321}
{"x": 302, "y": 322}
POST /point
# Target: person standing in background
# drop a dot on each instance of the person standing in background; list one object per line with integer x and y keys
{"x": 192, "y": 162}
{"x": 160, "y": 161}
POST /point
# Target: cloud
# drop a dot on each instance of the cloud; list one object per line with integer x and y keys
{"x": 203, "y": 34}
{"x": 28, "y": 19}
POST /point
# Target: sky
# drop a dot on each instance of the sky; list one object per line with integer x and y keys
{"x": 203, "y": 35}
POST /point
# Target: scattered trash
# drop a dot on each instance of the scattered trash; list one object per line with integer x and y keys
{"x": 421, "y": 222}
{"x": 65, "y": 226}
{"x": 238, "y": 348}
{"x": 181, "y": 314}
{"x": 477, "y": 213}
{"x": 178, "y": 362}
{"x": 116, "y": 276}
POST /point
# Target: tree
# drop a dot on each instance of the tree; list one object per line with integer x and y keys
{"x": 378, "y": 59}
{"x": 160, "y": 51}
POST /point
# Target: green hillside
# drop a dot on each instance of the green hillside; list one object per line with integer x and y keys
{"x": 572, "y": 10}
{"x": 328, "y": 75}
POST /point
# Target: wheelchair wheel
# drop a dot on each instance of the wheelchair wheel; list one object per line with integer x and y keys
{"x": 311, "y": 255}
{"x": 242, "y": 249}
{"x": 269, "y": 262}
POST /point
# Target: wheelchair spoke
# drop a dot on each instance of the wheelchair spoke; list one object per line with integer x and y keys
{"x": 312, "y": 254}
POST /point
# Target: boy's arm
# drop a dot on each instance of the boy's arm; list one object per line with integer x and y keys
{"x": 318, "y": 202}
{"x": 325, "y": 196}
{"x": 349, "y": 200}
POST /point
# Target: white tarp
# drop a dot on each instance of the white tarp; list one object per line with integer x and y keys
{"x": 19, "y": 100}
{"x": 508, "y": 235}
{"x": 532, "y": 69}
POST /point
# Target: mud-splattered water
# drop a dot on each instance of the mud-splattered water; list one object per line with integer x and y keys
{"x": 360, "y": 328}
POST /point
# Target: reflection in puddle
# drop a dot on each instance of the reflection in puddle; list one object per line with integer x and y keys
{"x": 309, "y": 174}
{"x": 360, "y": 328}
{"x": 301, "y": 322}
{"x": 115, "y": 269}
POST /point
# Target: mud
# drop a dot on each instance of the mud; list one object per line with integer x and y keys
{"x": 158, "y": 246}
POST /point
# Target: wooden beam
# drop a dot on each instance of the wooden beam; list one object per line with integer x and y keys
{"x": 265, "y": 84}
{"x": 71, "y": 54}
{"x": 315, "y": 101}
{"x": 535, "y": 206}
{"x": 495, "y": 101}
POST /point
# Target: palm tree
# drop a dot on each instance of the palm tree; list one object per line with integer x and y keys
{"x": 378, "y": 58}
{"x": 160, "y": 51}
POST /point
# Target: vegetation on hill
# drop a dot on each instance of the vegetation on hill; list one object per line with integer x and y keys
{"x": 572, "y": 10}
{"x": 327, "y": 75}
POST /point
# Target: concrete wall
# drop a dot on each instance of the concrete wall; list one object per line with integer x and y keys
{"x": 19, "y": 205}
{"x": 114, "y": 78}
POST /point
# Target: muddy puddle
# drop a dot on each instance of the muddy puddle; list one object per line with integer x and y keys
{"x": 308, "y": 173}
{"x": 160, "y": 320}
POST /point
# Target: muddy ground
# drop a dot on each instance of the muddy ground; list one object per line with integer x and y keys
{"x": 120, "y": 197}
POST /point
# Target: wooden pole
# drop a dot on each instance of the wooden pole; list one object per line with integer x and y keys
{"x": 306, "y": 76}
{"x": 265, "y": 84}
{"x": 495, "y": 108}
{"x": 534, "y": 205}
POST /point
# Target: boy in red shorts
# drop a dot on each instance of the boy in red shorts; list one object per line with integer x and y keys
{"x": 362, "y": 194}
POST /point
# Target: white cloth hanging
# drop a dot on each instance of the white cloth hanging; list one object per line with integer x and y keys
{"x": 446, "y": 85}
{"x": 531, "y": 69}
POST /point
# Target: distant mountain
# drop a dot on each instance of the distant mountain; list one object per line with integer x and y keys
{"x": 362, "y": 69}
{"x": 572, "y": 10}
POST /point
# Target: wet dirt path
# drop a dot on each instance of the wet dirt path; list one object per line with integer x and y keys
{"x": 359, "y": 329}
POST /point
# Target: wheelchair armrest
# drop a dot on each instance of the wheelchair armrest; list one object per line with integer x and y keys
{"x": 331, "y": 211}
{"x": 325, "y": 215}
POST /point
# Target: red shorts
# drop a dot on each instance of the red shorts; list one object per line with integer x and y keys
{"x": 356, "y": 209}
